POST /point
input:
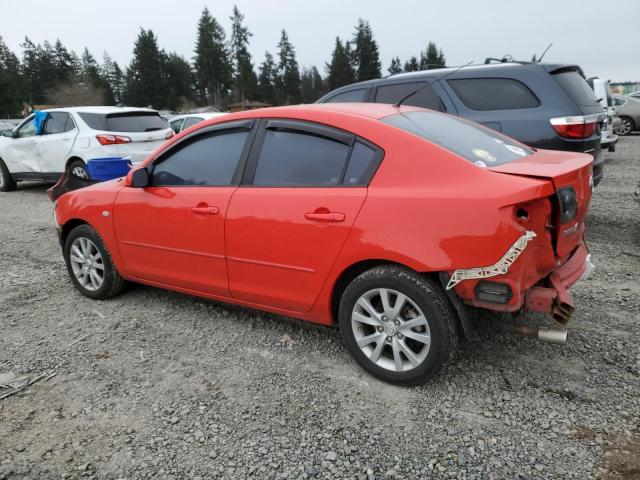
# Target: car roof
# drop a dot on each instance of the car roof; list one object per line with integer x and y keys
{"x": 105, "y": 110}
{"x": 373, "y": 111}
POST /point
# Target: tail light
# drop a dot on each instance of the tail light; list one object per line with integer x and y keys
{"x": 568, "y": 204}
{"x": 112, "y": 139}
{"x": 580, "y": 126}
{"x": 169, "y": 134}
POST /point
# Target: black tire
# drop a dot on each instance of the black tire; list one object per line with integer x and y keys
{"x": 7, "y": 183}
{"x": 112, "y": 283}
{"x": 429, "y": 297}
{"x": 78, "y": 166}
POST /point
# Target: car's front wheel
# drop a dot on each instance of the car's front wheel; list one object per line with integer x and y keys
{"x": 7, "y": 183}
{"x": 79, "y": 169}
{"x": 89, "y": 264}
{"x": 398, "y": 324}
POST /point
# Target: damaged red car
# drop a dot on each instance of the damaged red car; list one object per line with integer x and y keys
{"x": 394, "y": 223}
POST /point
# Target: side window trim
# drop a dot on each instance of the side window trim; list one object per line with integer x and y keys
{"x": 250, "y": 126}
{"x": 257, "y": 142}
{"x": 297, "y": 126}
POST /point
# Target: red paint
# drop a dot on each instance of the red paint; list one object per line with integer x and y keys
{"x": 284, "y": 249}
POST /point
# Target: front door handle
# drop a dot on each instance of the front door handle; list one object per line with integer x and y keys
{"x": 333, "y": 217}
{"x": 205, "y": 210}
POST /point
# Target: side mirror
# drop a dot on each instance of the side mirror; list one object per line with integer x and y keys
{"x": 140, "y": 178}
{"x": 7, "y": 133}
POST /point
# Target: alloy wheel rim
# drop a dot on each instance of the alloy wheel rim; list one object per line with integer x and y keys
{"x": 1, "y": 178}
{"x": 87, "y": 263}
{"x": 80, "y": 172}
{"x": 625, "y": 128}
{"x": 391, "y": 330}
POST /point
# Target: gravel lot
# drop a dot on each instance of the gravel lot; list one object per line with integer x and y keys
{"x": 155, "y": 384}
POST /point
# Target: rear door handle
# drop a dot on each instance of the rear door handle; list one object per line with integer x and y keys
{"x": 333, "y": 217}
{"x": 200, "y": 210}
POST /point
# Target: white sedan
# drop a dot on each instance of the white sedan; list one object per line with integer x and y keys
{"x": 68, "y": 137}
{"x": 182, "y": 122}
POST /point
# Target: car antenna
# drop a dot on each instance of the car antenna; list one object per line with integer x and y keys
{"x": 439, "y": 79}
{"x": 545, "y": 52}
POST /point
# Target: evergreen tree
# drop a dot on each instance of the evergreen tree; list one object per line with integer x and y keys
{"x": 431, "y": 57}
{"x": 412, "y": 65}
{"x": 267, "y": 79}
{"x": 39, "y": 70}
{"x": 213, "y": 68}
{"x": 144, "y": 85}
{"x": 340, "y": 71}
{"x": 288, "y": 72}
{"x": 11, "y": 85}
{"x": 113, "y": 76}
{"x": 311, "y": 85}
{"x": 245, "y": 79}
{"x": 366, "y": 57}
{"x": 177, "y": 81}
{"x": 66, "y": 63}
{"x": 395, "y": 67}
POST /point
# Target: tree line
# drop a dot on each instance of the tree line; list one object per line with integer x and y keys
{"x": 221, "y": 71}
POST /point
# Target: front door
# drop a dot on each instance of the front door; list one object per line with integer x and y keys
{"x": 22, "y": 152}
{"x": 56, "y": 142}
{"x": 288, "y": 223}
{"x": 172, "y": 232}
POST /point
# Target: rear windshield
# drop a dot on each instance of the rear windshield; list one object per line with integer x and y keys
{"x": 576, "y": 87}
{"x": 480, "y": 146}
{"x": 125, "y": 122}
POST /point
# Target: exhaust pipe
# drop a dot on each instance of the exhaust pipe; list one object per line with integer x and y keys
{"x": 547, "y": 335}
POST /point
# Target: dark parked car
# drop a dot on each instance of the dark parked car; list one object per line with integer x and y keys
{"x": 548, "y": 106}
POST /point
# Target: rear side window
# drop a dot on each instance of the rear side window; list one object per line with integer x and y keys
{"x": 478, "y": 145}
{"x": 350, "y": 96}
{"x": 424, "y": 96}
{"x": 131, "y": 122}
{"x": 207, "y": 160}
{"x": 58, "y": 122}
{"x": 363, "y": 163}
{"x": 618, "y": 101}
{"x": 289, "y": 159}
{"x": 576, "y": 87}
{"x": 486, "y": 94}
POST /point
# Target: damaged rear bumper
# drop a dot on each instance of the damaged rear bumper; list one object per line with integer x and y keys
{"x": 548, "y": 294}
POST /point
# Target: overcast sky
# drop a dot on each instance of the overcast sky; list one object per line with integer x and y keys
{"x": 465, "y": 29}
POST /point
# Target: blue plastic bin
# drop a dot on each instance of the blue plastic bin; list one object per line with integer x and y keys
{"x": 102, "y": 169}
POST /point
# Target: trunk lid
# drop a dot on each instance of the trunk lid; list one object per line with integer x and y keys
{"x": 565, "y": 170}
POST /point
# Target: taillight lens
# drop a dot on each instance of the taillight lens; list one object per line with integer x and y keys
{"x": 568, "y": 204}
{"x": 580, "y": 126}
{"x": 112, "y": 139}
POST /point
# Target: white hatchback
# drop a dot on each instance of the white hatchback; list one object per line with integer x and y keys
{"x": 182, "y": 122}
{"x": 69, "y": 137}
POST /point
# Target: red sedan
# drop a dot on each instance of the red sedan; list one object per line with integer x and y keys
{"x": 393, "y": 223}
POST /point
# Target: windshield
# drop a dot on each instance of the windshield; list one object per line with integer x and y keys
{"x": 125, "y": 122}
{"x": 479, "y": 145}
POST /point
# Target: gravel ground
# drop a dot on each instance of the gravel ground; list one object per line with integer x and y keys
{"x": 155, "y": 384}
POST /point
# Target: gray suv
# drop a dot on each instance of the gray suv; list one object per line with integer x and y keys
{"x": 547, "y": 106}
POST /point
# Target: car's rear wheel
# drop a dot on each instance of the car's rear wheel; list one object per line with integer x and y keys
{"x": 89, "y": 264}
{"x": 79, "y": 169}
{"x": 7, "y": 183}
{"x": 626, "y": 126}
{"x": 398, "y": 325}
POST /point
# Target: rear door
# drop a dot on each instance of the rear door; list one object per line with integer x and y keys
{"x": 56, "y": 142}
{"x": 172, "y": 232}
{"x": 288, "y": 221}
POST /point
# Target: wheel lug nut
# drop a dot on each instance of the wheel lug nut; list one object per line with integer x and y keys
{"x": 384, "y": 318}
{"x": 389, "y": 339}
{"x": 381, "y": 329}
{"x": 397, "y": 322}
{"x": 400, "y": 336}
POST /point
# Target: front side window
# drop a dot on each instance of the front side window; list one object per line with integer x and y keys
{"x": 417, "y": 94}
{"x": 292, "y": 159}
{"x": 356, "y": 95}
{"x": 27, "y": 129}
{"x": 176, "y": 125}
{"x": 480, "y": 146}
{"x": 191, "y": 121}
{"x": 56, "y": 123}
{"x": 206, "y": 160}
{"x": 619, "y": 101}
{"x": 486, "y": 94}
